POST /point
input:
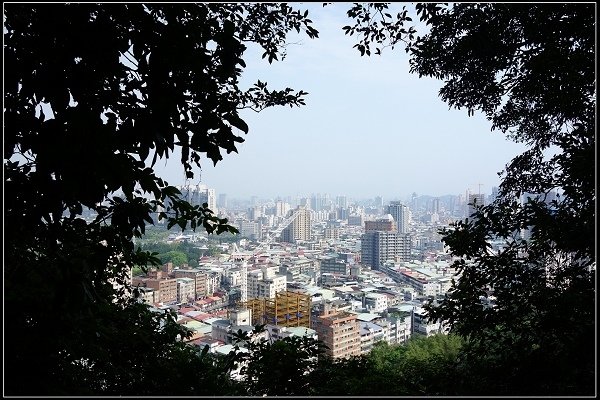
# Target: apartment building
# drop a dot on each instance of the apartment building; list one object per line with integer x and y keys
{"x": 401, "y": 215}
{"x": 334, "y": 265}
{"x": 340, "y": 331}
{"x": 299, "y": 228}
{"x": 265, "y": 282}
{"x": 376, "y": 302}
{"x": 385, "y": 224}
{"x": 199, "y": 278}
{"x": 378, "y": 247}
{"x": 370, "y": 334}
{"x": 422, "y": 326}
{"x": 165, "y": 290}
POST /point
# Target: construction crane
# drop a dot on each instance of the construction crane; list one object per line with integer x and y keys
{"x": 479, "y": 185}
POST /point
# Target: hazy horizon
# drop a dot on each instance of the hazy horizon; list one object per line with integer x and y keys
{"x": 369, "y": 128}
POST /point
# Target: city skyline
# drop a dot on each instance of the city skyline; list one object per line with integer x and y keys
{"x": 369, "y": 128}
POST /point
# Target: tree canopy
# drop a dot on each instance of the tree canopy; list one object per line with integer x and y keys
{"x": 530, "y": 69}
{"x": 94, "y": 92}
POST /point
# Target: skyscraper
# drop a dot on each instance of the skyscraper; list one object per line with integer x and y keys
{"x": 435, "y": 206}
{"x": 378, "y": 247}
{"x": 199, "y": 194}
{"x": 401, "y": 215}
{"x": 342, "y": 201}
{"x": 222, "y": 200}
{"x": 281, "y": 208}
{"x": 414, "y": 198}
{"x": 475, "y": 200}
{"x": 318, "y": 202}
{"x": 299, "y": 228}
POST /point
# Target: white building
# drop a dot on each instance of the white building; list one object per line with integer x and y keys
{"x": 264, "y": 283}
{"x": 422, "y": 326}
{"x": 401, "y": 215}
{"x": 237, "y": 277}
{"x": 186, "y": 290}
{"x": 376, "y": 302}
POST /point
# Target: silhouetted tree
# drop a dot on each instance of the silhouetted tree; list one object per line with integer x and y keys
{"x": 91, "y": 91}
{"x": 530, "y": 69}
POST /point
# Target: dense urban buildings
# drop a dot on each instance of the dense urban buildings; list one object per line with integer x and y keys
{"x": 350, "y": 273}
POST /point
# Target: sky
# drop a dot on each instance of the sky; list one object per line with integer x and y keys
{"x": 369, "y": 128}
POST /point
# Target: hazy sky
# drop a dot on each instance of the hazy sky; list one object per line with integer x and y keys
{"x": 369, "y": 128}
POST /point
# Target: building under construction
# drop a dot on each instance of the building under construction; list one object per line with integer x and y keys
{"x": 286, "y": 309}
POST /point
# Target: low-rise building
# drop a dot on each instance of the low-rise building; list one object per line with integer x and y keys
{"x": 370, "y": 333}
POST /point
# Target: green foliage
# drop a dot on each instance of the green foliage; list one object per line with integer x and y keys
{"x": 422, "y": 367}
{"x": 276, "y": 368}
{"x": 154, "y": 234}
{"x": 123, "y": 82}
{"x": 178, "y": 258}
{"x": 353, "y": 376}
{"x": 530, "y": 69}
{"x": 92, "y": 91}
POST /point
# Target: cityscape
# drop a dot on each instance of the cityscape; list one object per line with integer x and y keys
{"x": 349, "y": 273}
{"x": 300, "y": 199}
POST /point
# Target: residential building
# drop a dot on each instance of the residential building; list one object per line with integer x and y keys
{"x": 264, "y": 283}
{"x": 401, "y": 215}
{"x": 370, "y": 333}
{"x": 300, "y": 227}
{"x": 340, "y": 331}
{"x": 422, "y": 326}
{"x": 375, "y": 302}
{"x": 199, "y": 278}
{"x": 165, "y": 290}
{"x": 378, "y": 247}
{"x": 200, "y": 194}
{"x": 475, "y": 200}
{"x": 334, "y": 264}
{"x": 385, "y": 224}
{"x": 250, "y": 229}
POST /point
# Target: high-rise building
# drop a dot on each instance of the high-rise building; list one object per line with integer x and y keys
{"x": 386, "y": 224}
{"x": 281, "y": 208}
{"x": 475, "y": 200}
{"x": 250, "y": 229}
{"x": 200, "y": 194}
{"x": 299, "y": 228}
{"x": 494, "y": 194}
{"x": 401, "y": 215}
{"x": 222, "y": 203}
{"x": 435, "y": 206}
{"x": 255, "y": 213}
{"x": 342, "y": 201}
{"x": 265, "y": 282}
{"x": 414, "y": 199}
{"x": 378, "y": 247}
{"x": 318, "y": 202}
